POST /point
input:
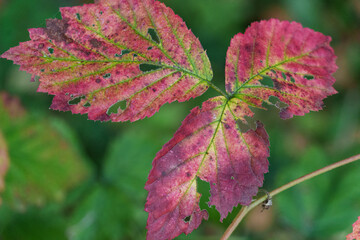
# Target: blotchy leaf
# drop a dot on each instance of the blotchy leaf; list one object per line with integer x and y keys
{"x": 98, "y": 57}
{"x": 4, "y": 162}
{"x": 356, "y": 231}
{"x": 44, "y": 163}
{"x": 209, "y": 145}
{"x": 299, "y": 61}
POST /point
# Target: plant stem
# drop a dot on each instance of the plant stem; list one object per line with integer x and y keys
{"x": 245, "y": 209}
{"x": 213, "y": 86}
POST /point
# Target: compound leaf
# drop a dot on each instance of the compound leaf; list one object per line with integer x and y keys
{"x": 115, "y": 60}
{"x": 356, "y": 231}
{"x": 43, "y": 162}
{"x": 209, "y": 145}
{"x": 298, "y": 60}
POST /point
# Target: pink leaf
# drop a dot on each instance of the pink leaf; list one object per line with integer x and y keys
{"x": 209, "y": 145}
{"x": 356, "y": 231}
{"x": 115, "y": 60}
{"x": 290, "y": 55}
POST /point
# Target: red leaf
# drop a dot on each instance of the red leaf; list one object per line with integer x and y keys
{"x": 289, "y": 54}
{"x": 356, "y": 231}
{"x": 100, "y": 56}
{"x": 209, "y": 145}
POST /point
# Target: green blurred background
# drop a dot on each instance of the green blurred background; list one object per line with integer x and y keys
{"x": 111, "y": 161}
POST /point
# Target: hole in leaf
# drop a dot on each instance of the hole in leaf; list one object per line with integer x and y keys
{"x": 101, "y": 12}
{"x": 149, "y": 48}
{"x": 281, "y": 105}
{"x": 273, "y": 71}
{"x": 154, "y": 36}
{"x": 76, "y": 100}
{"x": 107, "y": 75}
{"x": 251, "y": 122}
{"x": 78, "y": 16}
{"x": 292, "y": 79}
{"x": 125, "y": 51}
{"x": 145, "y": 67}
{"x": 267, "y": 81}
{"x": 309, "y": 77}
{"x": 187, "y": 219}
{"x": 273, "y": 99}
{"x": 115, "y": 107}
{"x": 232, "y": 178}
{"x": 42, "y": 70}
{"x": 277, "y": 103}
{"x": 87, "y": 104}
{"x": 283, "y": 75}
{"x": 244, "y": 127}
{"x": 51, "y": 50}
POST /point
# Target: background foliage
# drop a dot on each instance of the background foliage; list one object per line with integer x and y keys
{"x": 116, "y": 157}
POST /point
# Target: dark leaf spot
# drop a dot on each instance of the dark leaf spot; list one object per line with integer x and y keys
{"x": 98, "y": 80}
{"x": 95, "y": 43}
{"x": 41, "y": 46}
{"x": 188, "y": 174}
{"x": 56, "y": 29}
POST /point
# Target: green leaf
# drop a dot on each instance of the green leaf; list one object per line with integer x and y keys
{"x": 44, "y": 162}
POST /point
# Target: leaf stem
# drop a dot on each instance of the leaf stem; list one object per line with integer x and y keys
{"x": 213, "y": 86}
{"x": 245, "y": 209}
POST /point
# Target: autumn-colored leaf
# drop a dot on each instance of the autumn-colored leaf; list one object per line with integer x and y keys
{"x": 4, "y": 162}
{"x": 115, "y": 60}
{"x": 209, "y": 145}
{"x": 356, "y": 231}
{"x": 298, "y": 60}
{"x": 44, "y": 163}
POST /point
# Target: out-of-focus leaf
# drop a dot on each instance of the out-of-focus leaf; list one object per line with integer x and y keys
{"x": 356, "y": 231}
{"x": 324, "y": 205}
{"x": 91, "y": 68}
{"x": 34, "y": 224}
{"x": 101, "y": 215}
{"x": 211, "y": 146}
{"x": 283, "y": 60}
{"x": 44, "y": 163}
{"x": 4, "y": 161}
